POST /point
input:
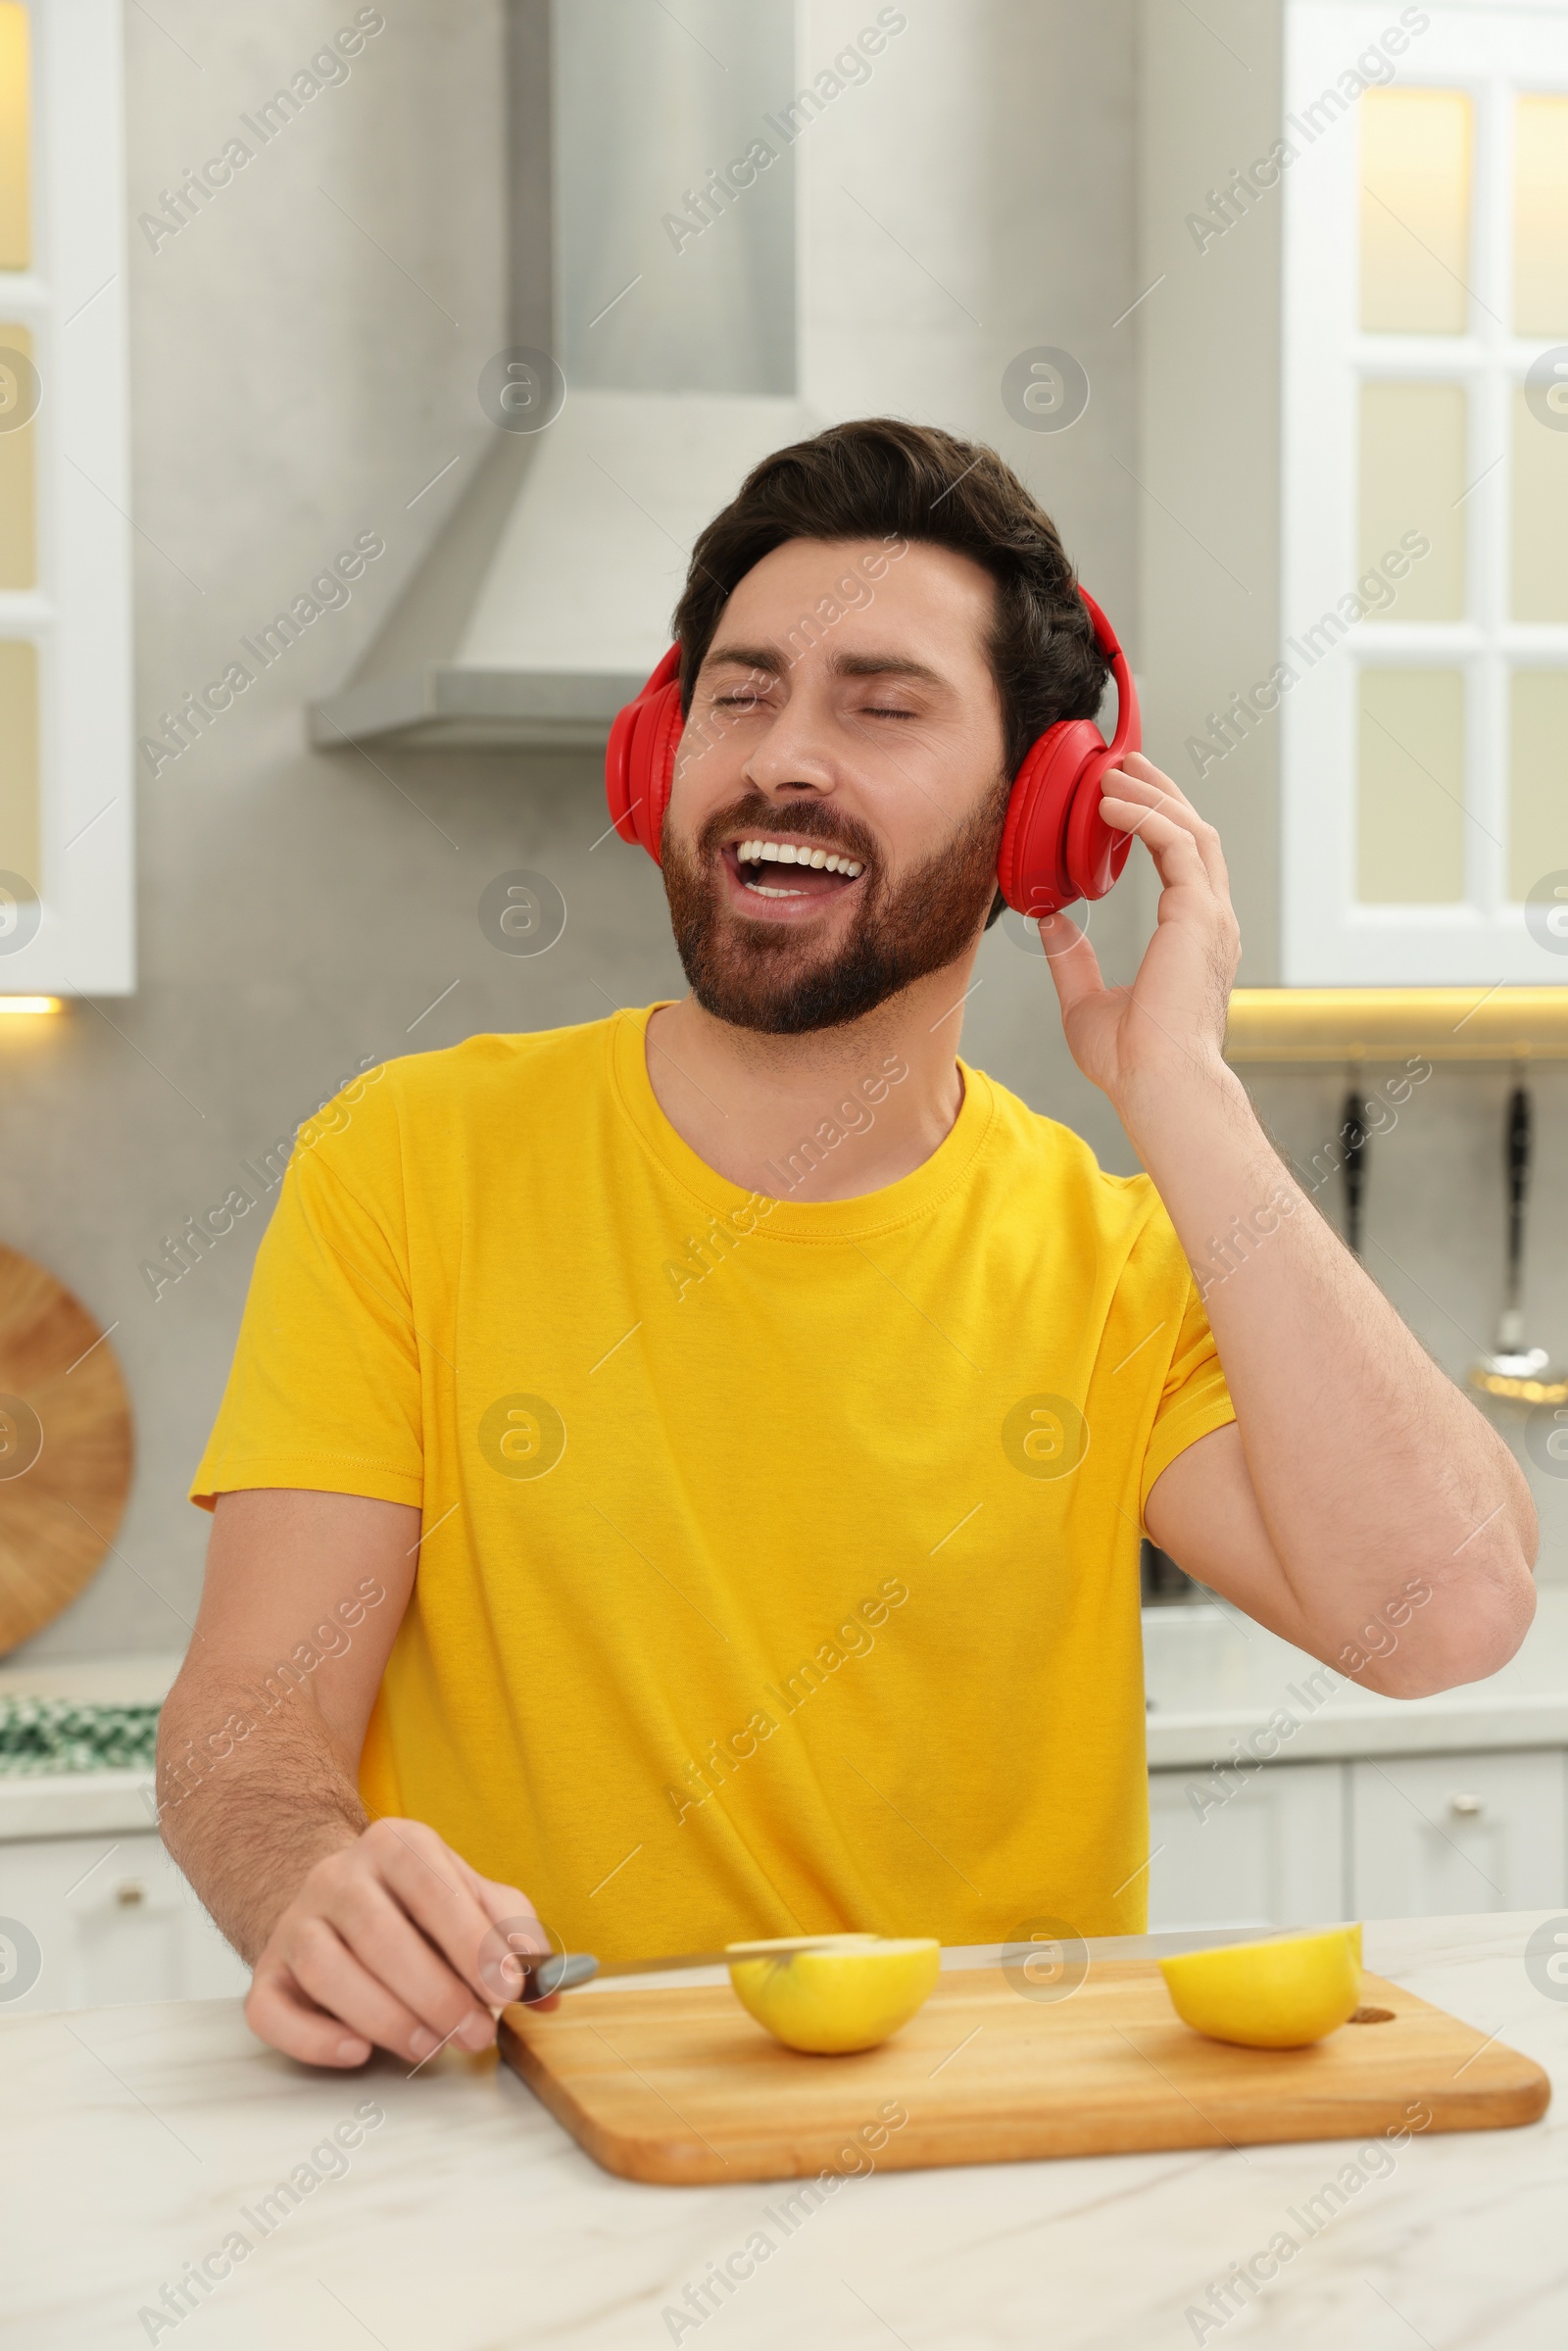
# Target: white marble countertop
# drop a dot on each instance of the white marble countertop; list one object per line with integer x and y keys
{"x": 77, "y": 1805}
{"x": 1215, "y": 1679}
{"x": 469, "y": 2221}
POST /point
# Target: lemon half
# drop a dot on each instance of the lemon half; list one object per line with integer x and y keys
{"x": 853, "y": 1993}
{"x": 1269, "y": 1996}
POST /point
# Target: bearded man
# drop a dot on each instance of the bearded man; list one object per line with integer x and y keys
{"x": 682, "y": 1477}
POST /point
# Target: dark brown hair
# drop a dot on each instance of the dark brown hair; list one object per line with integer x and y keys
{"x": 877, "y": 477}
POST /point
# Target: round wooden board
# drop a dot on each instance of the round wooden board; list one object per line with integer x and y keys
{"x": 66, "y": 1447}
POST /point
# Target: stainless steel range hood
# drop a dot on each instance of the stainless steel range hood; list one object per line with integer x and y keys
{"x": 667, "y": 299}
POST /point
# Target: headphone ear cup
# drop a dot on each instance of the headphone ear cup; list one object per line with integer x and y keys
{"x": 618, "y": 794}
{"x": 1033, "y": 871}
{"x": 658, "y": 734}
{"x": 640, "y": 757}
{"x": 1055, "y": 846}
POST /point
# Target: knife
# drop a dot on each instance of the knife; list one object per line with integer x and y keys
{"x": 545, "y": 1973}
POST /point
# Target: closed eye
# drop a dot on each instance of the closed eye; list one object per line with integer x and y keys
{"x": 759, "y": 702}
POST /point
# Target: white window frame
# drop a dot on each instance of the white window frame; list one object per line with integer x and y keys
{"x": 75, "y": 300}
{"x": 1329, "y": 938}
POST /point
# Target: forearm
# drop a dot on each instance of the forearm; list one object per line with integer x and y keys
{"x": 1369, "y": 1466}
{"x": 360, "y": 1934}
{"x": 248, "y": 1812}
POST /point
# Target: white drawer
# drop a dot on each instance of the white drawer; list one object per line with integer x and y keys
{"x": 1433, "y": 1836}
{"x": 1270, "y": 1856}
{"x": 112, "y": 1920}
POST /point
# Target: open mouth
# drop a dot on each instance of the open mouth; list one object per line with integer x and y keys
{"x": 789, "y": 872}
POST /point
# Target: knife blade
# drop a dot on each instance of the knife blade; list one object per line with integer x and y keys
{"x": 550, "y": 1972}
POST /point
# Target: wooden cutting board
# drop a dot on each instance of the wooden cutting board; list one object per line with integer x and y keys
{"x": 677, "y": 2084}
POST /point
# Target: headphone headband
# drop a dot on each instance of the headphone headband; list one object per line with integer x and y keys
{"x": 1109, "y": 645}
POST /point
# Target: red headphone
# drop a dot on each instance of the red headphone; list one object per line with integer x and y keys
{"x": 1055, "y": 846}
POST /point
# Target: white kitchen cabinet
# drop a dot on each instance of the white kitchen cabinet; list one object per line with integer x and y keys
{"x": 1273, "y": 1855}
{"x": 68, "y": 890}
{"x": 1436, "y": 1834}
{"x": 112, "y": 1921}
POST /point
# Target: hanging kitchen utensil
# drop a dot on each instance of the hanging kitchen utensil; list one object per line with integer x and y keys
{"x": 66, "y": 1447}
{"x": 1513, "y": 1369}
{"x": 1355, "y": 1136}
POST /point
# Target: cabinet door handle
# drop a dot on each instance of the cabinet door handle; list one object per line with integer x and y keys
{"x": 1468, "y": 1808}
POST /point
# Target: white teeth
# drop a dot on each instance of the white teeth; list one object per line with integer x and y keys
{"x": 785, "y": 852}
{"x": 766, "y": 890}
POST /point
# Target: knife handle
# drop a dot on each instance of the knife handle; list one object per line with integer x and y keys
{"x": 552, "y": 1972}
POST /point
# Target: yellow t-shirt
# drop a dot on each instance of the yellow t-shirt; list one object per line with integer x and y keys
{"x": 780, "y": 1565}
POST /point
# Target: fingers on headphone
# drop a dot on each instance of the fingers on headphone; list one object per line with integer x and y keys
{"x": 1174, "y": 804}
{"x": 1147, "y": 785}
{"x": 1156, "y": 794}
{"x": 1171, "y": 843}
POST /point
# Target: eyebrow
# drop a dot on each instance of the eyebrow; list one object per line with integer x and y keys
{"x": 771, "y": 661}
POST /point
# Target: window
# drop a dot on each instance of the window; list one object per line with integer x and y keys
{"x": 1425, "y": 457}
{"x": 66, "y": 828}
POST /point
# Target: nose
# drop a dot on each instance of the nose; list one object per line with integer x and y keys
{"x": 792, "y": 756}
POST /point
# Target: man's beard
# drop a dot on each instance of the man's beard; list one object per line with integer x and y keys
{"x": 769, "y": 976}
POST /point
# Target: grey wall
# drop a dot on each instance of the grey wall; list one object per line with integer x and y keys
{"x": 304, "y": 358}
{"x": 294, "y": 385}
{"x": 1207, "y": 455}
{"x": 1434, "y": 1222}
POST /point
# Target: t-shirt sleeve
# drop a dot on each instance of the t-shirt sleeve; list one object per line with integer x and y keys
{"x": 1195, "y": 1399}
{"x": 325, "y": 1387}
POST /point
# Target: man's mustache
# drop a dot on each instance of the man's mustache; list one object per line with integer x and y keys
{"x": 757, "y": 815}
